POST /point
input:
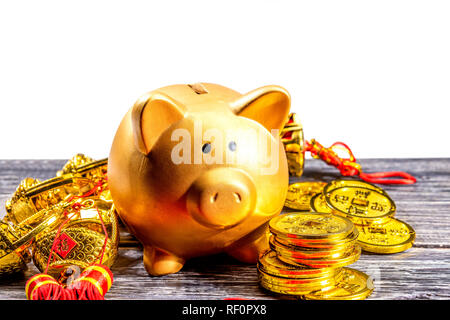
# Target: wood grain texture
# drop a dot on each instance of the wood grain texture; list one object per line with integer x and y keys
{"x": 422, "y": 272}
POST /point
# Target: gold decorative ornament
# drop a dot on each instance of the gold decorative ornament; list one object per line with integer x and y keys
{"x": 85, "y": 167}
{"x": 294, "y": 145}
{"x": 197, "y": 205}
{"x": 33, "y": 195}
{"x": 82, "y": 240}
{"x": 13, "y": 262}
{"x": 19, "y": 237}
{"x": 38, "y": 208}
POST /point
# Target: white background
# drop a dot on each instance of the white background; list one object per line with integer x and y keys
{"x": 374, "y": 74}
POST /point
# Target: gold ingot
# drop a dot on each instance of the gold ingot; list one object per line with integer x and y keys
{"x": 270, "y": 264}
{"x": 81, "y": 240}
{"x": 293, "y": 141}
{"x": 11, "y": 263}
{"x": 391, "y": 237}
{"x": 15, "y": 239}
{"x": 361, "y": 205}
{"x": 299, "y": 194}
{"x": 353, "y": 285}
{"x": 313, "y": 226}
{"x": 12, "y": 260}
{"x": 18, "y": 237}
{"x": 78, "y": 176}
{"x": 180, "y": 210}
{"x": 339, "y": 262}
{"x": 85, "y": 167}
{"x": 33, "y": 195}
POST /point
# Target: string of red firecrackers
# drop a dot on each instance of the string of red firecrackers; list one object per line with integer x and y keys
{"x": 93, "y": 282}
{"x": 349, "y": 166}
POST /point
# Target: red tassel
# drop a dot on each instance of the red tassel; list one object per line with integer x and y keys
{"x": 93, "y": 283}
{"x": 44, "y": 287}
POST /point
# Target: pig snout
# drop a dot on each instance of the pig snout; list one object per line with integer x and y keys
{"x": 221, "y": 198}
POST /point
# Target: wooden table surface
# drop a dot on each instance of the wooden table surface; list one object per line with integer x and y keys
{"x": 422, "y": 272}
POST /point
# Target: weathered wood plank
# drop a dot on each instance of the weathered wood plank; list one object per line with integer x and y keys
{"x": 419, "y": 273}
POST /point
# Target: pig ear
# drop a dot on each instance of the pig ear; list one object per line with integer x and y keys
{"x": 267, "y": 105}
{"x": 151, "y": 115}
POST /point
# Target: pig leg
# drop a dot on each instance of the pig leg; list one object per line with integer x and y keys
{"x": 248, "y": 248}
{"x": 158, "y": 262}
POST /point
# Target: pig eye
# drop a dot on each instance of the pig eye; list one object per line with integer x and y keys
{"x": 232, "y": 146}
{"x": 206, "y": 148}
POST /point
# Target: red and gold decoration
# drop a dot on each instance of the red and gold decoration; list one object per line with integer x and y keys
{"x": 62, "y": 223}
{"x": 92, "y": 284}
{"x": 296, "y": 147}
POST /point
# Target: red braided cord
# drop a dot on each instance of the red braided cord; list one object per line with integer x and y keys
{"x": 106, "y": 235}
{"x": 349, "y": 167}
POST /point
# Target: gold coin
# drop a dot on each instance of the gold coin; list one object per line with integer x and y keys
{"x": 299, "y": 194}
{"x": 369, "y": 222}
{"x": 312, "y": 226}
{"x": 305, "y": 283}
{"x": 270, "y": 283}
{"x": 353, "y": 285}
{"x": 339, "y": 262}
{"x": 284, "y": 290}
{"x": 361, "y": 204}
{"x": 270, "y": 264}
{"x": 319, "y": 204}
{"x": 319, "y": 244}
{"x": 391, "y": 237}
{"x": 350, "y": 183}
{"x": 308, "y": 253}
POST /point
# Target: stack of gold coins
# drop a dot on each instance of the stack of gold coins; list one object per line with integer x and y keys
{"x": 372, "y": 211}
{"x": 308, "y": 258}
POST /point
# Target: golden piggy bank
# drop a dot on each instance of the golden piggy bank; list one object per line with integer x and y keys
{"x": 199, "y": 169}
